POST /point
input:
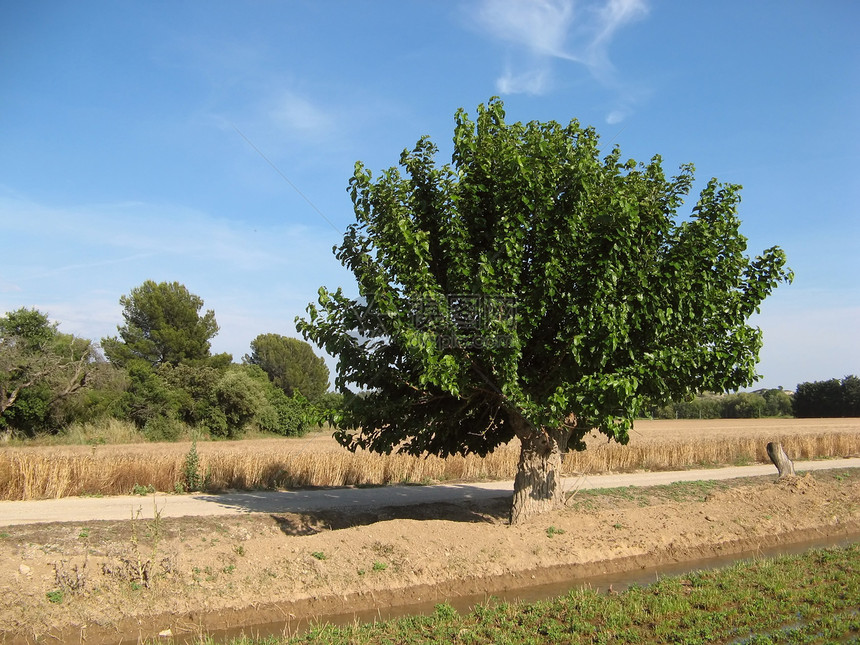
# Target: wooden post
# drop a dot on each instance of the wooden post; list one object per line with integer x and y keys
{"x": 783, "y": 464}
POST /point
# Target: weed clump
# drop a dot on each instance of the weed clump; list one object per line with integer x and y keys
{"x": 193, "y": 481}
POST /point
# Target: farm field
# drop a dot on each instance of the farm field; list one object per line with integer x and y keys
{"x": 45, "y": 472}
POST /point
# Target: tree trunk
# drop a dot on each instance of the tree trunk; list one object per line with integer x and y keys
{"x": 537, "y": 486}
{"x": 783, "y": 464}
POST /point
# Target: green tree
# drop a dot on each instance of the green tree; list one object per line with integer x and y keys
{"x": 291, "y": 364}
{"x": 29, "y": 330}
{"x": 533, "y": 290}
{"x": 778, "y": 403}
{"x": 851, "y": 396}
{"x": 744, "y": 405}
{"x": 163, "y": 325}
{"x": 280, "y": 414}
{"x": 238, "y": 396}
{"x": 194, "y": 386}
{"x": 149, "y": 397}
{"x": 105, "y": 392}
{"x": 40, "y": 367}
{"x": 700, "y": 407}
{"x": 831, "y": 398}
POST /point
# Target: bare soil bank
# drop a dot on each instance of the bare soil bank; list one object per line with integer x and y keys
{"x": 107, "y": 581}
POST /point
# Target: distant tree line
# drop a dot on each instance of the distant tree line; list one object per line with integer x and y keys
{"x": 158, "y": 372}
{"x": 833, "y": 398}
{"x": 742, "y": 405}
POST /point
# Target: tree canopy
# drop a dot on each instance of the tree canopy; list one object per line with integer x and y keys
{"x": 163, "y": 325}
{"x": 27, "y": 329}
{"x": 39, "y": 367}
{"x": 533, "y": 289}
{"x": 831, "y": 398}
{"x": 291, "y": 365}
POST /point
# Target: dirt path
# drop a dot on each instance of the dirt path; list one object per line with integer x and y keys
{"x": 102, "y": 581}
{"x": 85, "y": 509}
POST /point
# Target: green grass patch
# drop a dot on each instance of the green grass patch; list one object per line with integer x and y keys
{"x": 55, "y": 597}
{"x": 139, "y": 489}
{"x": 808, "y": 598}
{"x": 627, "y": 496}
{"x": 553, "y": 531}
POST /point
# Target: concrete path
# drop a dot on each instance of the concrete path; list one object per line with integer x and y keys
{"x": 87, "y": 509}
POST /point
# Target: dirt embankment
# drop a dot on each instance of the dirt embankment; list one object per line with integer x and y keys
{"x": 98, "y": 580}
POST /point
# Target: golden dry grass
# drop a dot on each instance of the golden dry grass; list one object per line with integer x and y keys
{"x": 44, "y": 472}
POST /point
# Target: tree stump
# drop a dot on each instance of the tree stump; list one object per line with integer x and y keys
{"x": 783, "y": 464}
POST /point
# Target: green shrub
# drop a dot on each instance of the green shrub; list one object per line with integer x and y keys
{"x": 102, "y": 399}
{"x": 239, "y": 397}
{"x": 279, "y": 413}
{"x": 148, "y": 396}
{"x": 193, "y": 386}
{"x": 744, "y": 405}
{"x": 191, "y": 469}
{"x": 284, "y": 415}
{"x": 214, "y": 421}
{"x": 778, "y": 403}
{"x": 163, "y": 429}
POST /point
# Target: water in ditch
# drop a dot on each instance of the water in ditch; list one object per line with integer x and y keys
{"x": 530, "y": 593}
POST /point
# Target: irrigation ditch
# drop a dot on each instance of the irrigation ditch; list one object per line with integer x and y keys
{"x": 614, "y": 577}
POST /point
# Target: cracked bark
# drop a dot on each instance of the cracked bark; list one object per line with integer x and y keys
{"x": 537, "y": 485}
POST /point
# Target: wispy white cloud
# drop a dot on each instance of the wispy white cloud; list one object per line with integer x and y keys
{"x": 83, "y": 266}
{"x": 616, "y": 116}
{"x": 608, "y": 19}
{"x": 548, "y": 30}
{"x": 250, "y": 88}
{"x": 293, "y": 113}
{"x": 8, "y": 287}
{"x": 278, "y": 117}
{"x": 541, "y": 26}
{"x": 132, "y": 232}
{"x": 535, "y": 81}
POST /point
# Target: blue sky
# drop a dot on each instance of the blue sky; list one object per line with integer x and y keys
{"x": 140, "y": 140}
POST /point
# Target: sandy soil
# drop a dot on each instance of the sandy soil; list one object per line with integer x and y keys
{"x": 114, "y": 580}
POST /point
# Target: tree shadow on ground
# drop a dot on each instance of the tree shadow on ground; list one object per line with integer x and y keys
{"x": 492, "y": 511}
{"x": 306, "y": 511}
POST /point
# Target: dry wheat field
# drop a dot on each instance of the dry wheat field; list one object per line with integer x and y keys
{"x": 44, "y": 472}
